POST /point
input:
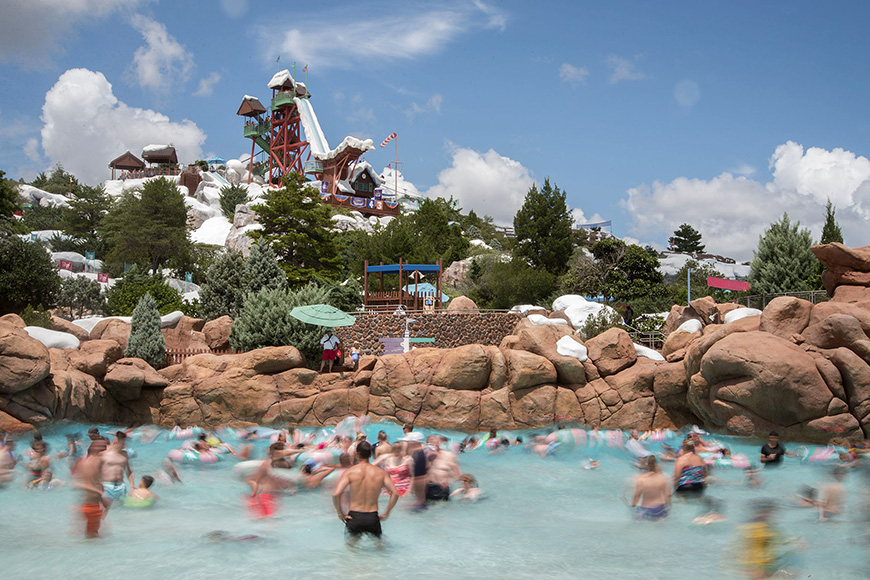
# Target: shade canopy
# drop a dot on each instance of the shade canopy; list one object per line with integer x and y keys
{"x": 322, "y": 315}
{"x": 425, "y": 289}
{"x": 216, "y": 161}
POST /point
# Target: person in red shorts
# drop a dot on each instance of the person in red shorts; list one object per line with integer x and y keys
{"x": 263, "y": 502}
{"x": 330, "y": 349}
{"x": 88, "y": 479}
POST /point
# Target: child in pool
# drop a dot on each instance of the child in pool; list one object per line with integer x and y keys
{"x": 142, "y": 495}
{"x": 469, "y": 490}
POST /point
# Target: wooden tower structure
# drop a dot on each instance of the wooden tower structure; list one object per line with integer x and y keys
{"x": 288, "y": 150}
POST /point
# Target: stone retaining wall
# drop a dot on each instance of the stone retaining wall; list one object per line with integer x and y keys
{"x": 448, "y": 329}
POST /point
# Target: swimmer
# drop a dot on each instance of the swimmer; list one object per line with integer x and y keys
{"x": 469, "y": 490}
{"x": 313, "y": 474}
{"x": 115, "y": 465}
{"x": 263, "y": 501}
{"x": 761, "y": 541}
{"x": 365, "y": 482}
{"x": 443, "y": 470}
{"x": 400, "y": 466}
{"x": 690, "y": 471}
{"x": 8, "y": 460}
{"x": 806, "y": 497}
{"x": 712, "y": 513}
{"x": 832, "y": 495}
{"x": 88, "y": 475}
{"x": 142, "y": 495}
{"x": 592, "y": 464}
{"x": 652, "y": 492}
{"x": 382, "y": 445}
{"x": 39, "y": 463}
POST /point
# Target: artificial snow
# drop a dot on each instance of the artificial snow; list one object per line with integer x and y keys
{"x": 567, "y": 346}
{"x": 52, "y": 338}
{"x": 672, "y": 263}
{"x": 280, "y": 78}
{"x": 739, "y": 313}
{"x": 647, "y": 352}
{"x": 690, "y": 326}
{"x": 35, "y": 196}
{"x": 89, "y": 322}
{"x": 213, "y": 231}
{"x": 541, "y": 320}
{"x": 525, "y": 308}
{"x": 480, "y": 244}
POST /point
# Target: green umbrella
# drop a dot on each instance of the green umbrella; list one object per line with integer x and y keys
{"x": 322, "y": 315}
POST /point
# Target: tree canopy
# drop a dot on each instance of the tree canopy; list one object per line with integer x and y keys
{"x": 27, "y": 275}
{"x": 686, "y": 239}
{"x": 783, "y": 261}
{"x": 543, "y": 229}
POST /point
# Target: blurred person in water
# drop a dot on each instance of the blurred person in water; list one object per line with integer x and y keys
{"x": 652, "y": 492}
{"x": 89, "y": 480}
{"x": 8, "y": 460}
{"x": 115, "y": 466}
{"x": 764, "y": 550}
{"x": 832, "y": 495}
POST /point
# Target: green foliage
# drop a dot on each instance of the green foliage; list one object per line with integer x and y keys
{"x": 223, "y": 291}
{"x": 146, "y": 341}
{"x": 297, "y": 225}
{"x": 262, "y": 269}
{"x": 595, "y": 324}
{"x": 473, "y": 233}
{"x": 500, "y": 284}
{"x": 636, "y": 275}
{"x": 649, "y": 322}
{"x": 147, "y": 226}
{"x": 38, "y": 316}
{"x": 831, "y": 231}
{"x": 783, "y": 261}
{"x": 196, "y": 260}
{"x": 543, "y": 229}
{"x": 27, "y": 275}
{"x": 59, "y": 182}
{"x": 686, "y": 239}
{"x": 8, "y": 199}
{"x": 43, "y": 217}
{"x": 265, "y": 321}
{"x": 345, "y": 296}
{"x": 123, "y": 297}
{"x": 231, "y": 196}
{"x": 78, "y": 294}
{"x": 82, "y": 220}
{"x": 202, "y": 164}
{"x": 617, "y": 271}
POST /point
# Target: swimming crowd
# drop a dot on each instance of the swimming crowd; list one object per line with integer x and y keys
{"x": 424, "y": 469}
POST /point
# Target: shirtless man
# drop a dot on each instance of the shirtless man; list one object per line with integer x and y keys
{"x": 115, "y": 465}
{"x": 382, "y": 447}
{"x": 263, "y": 501}
{"x": 653, "y": 491}
{"x": 443, "y": 471}
{"x": 365, "y": 481}
{"x": 832, "y": 496}
{"x": 88, "y": 475}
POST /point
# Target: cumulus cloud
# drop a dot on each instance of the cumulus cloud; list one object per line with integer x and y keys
{"x": 433, "y": 105}
{"x": 31, "y": 32}
{"x": 687, "y": 93}
{"x": 347, "y": 39}
{"x": 568, "y": 73}
{"x": 488, "y": 183}
{"x": 206, "y": 85}
{"x": 731, "y": 212}
{"x": 163, "y": 61}
{"x": 580, "y": 218}
{"x": 623, "y": 70}
{"x": 85, "y": 126}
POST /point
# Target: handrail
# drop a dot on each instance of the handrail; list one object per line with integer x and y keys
{"x": 761, "y": 300}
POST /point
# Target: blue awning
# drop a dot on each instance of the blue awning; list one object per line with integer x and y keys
{"x": 394, "y": 268}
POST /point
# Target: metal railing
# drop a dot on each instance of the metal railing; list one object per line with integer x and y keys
{"x": 761, "y": 300}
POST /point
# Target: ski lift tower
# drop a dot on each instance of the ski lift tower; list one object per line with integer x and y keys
{"x": 288, "y": 151}
{"x": 257, "y": 124}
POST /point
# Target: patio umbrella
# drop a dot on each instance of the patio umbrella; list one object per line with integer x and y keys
{"x": 216, "y": 161}
{"x": 425, "y": 289}
{"x": 322, "y": 315}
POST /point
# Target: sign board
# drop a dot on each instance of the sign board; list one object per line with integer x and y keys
{"x": 66, "y": 265}
{"x": 393, "y": 345}
{"x": 34, "y": 237}
{"x": 103, "y": 277}
{"x": 90, "y": 255}
{"x": 726, "y": 284}
{"x": 188, "y": 277}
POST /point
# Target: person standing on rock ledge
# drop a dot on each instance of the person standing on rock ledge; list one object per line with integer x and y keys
{"x": 330, "y": 349}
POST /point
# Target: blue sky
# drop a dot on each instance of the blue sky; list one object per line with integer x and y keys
{"x": 650, "y": 114}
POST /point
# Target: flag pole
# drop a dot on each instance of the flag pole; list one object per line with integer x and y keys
{"x": 396, "y": 171}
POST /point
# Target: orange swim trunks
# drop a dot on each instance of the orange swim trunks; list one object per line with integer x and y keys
{"x": 263, "y": 505}
{"x": 93, "y": 513}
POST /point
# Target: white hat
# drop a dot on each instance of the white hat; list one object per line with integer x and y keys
{"x": 413, "y": 437}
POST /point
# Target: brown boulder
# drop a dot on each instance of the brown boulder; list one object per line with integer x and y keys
{"x": 495, "y": 410}
{"x": 424, "y": 361}
{"x": 270, "y": 360}
{"x": 331, "y": 407}
{"x": 408, "y": 400}
{"x": 9, "y": 424}
{"x": 498, "y": 368}
{"x": 856, "y": 382}
{"x": 298, "y": 383}
{"x": 725, "y": 309}
{"x": 526, "y": 370}
{"x": 236, "y": 394}
{"x": 839, "y": 258}
{"x": 712, "y": 334}
{"x": 611, "y": 351}
{"x": 463, "y": 368}
{"x": 462, "y": 304}
{"x": 186, "y": 335}
{"x": 705, "y": 308}
{"x": 78, "y": 395}
{"x": 832, "y": 280}
{"x": 126, "y": 378}
{"x": 178, "y": 407}
{"x": 860, "y": 310}
{"x": 678, "y": 340}
{"x": 834, "y": 331}
{"x": 635, "y": 382}
{"x": 786, "y": 315}
{"x": 541, "y": 340}
{"x": 333, "y": 381}
{"x": 367, "y": 362}
{"x": 446, "y": 408}
{"x": 95, "y": 356}
{"x": 535, "y": 407}
{"x": 391, "y": 372}
{"x": 677, "y": 316}
{"x": 63, "y": 325}
{"x": 112, "y": 329}
{"x": 851, "y": 294}
{"x": 217, "y": 333}
{"x": 12, "y": 319}
{"x": 24, "y": 361}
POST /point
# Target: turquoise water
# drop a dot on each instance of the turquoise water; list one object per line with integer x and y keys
{"x": 543, "y": 517}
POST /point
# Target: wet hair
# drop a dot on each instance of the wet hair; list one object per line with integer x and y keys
{"x": 689, "y": 446}
{"x": 651, "y": 463}
{"x": 505, "y": 441}
{"x": 147, "y": 480}
{"x": 364, "y": 450}
{"x": 407, "y": 427}
{"x": 276, "y": 446}
{"x": 519, "y": 439}
{"x": 308, "y": 468}
{"x": 493, "y": 433}
{"x": 382, "y": 436}
{"x": 773, "y": 434}
{"x": 121, "y": 435}
{"x": 203, "y": 437}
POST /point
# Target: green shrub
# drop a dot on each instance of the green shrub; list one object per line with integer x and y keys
{"x": 598, "y": 323}
{"x": 230, "y": 197}
{"x": 38, "y": 316}
{"x": 78, "y": 294}
{"x": 146, "y": 341}
{"x": 123, "y": 297}
{"x": 27, "y": 275}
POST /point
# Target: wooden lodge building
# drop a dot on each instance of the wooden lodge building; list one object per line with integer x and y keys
{"x": 158, "y": 160}
{"x": 357, "y": 187}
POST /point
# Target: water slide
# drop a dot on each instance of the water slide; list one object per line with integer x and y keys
{"x": 220, "y": 180}
{"x": 313, "y": 133}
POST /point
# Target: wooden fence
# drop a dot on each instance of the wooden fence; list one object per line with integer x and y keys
{"x": 177, "y": 356}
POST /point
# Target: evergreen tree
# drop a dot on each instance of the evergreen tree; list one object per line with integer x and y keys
{"x": 783, "y": 261}
{"x": 59, "y": 182}
{"x": 78, "y": 294}
{"x": 262, "y": 269}
{"x": 230, "y": 197}
{"x": 543, "y": 229}
{"x": 123, "y": 297}
{"x": 298, "y": 227}
{"x": 686, "y": 239}
{"x": 42, "y": 217}
{"x": 147, "y": 226}
{"x": 831, "y": 231}
{"x": 8, "y": 198}
{"x": 636, "y": 276}
{"x": 27, "y": 275}
{"x": 84, "y": 216}
{"x": 225, "y": 286}
{"x": 146, "y": 341}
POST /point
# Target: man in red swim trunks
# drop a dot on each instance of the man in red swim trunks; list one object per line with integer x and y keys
{"x": 365, "y": 481}
{"x": 88, "y": 477}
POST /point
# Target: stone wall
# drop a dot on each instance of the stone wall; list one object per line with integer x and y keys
{"x": 448, "y": 329}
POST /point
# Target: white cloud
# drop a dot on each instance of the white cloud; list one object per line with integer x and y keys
{"x": 573, "y": 75}
{"x": 85, "y": 127}
{"x": 488, "y": 183}
{"x": 348, "y": 39}
{"x": 32, "y": 32}
{"x": 206, "y": 85}
{"x": 31, "y": 149}
{"x": 731, "y": 212}
{"x": 234, "y": 8}
{"x": 687, "y": 93}
{"x": 580, "y": 218}
{"x": 623, "y": 70}
{"x": 743, "y": 169}
{"x": 433, "y": 105}
{"x": 163, "y": 61}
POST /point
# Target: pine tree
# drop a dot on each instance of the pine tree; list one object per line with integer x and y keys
{"x": 686, "y": 239}
{"x": 78, "y": 294}
{"x": 83, "y": 217}
{"x": 783, "y": 261}
{"x": 146, "y": 341}
{"x": 8, "y": 198}
{"x": 223, "y": 291}
{"x": 230, "y": 197}
{"x": 298, "y": 227}
{"x": 543, "y": 229}
{"x": 831, "y": 231}
{"x": 262, "y": 269}
{"x": 27, "y": 275}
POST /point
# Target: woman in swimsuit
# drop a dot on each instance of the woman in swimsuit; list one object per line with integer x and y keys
{"x": 399, "y": 466}
{"x": 690, "y": 471}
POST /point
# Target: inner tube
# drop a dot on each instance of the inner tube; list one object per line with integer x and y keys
{"x": 137, "y": 502}
{"x": 191, "y": 456}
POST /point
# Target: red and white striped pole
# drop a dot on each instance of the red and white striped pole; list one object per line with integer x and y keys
{"x": 393, "y": 137}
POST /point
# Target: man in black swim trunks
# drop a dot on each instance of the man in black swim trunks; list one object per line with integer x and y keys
{"x": 365, "y": 481}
